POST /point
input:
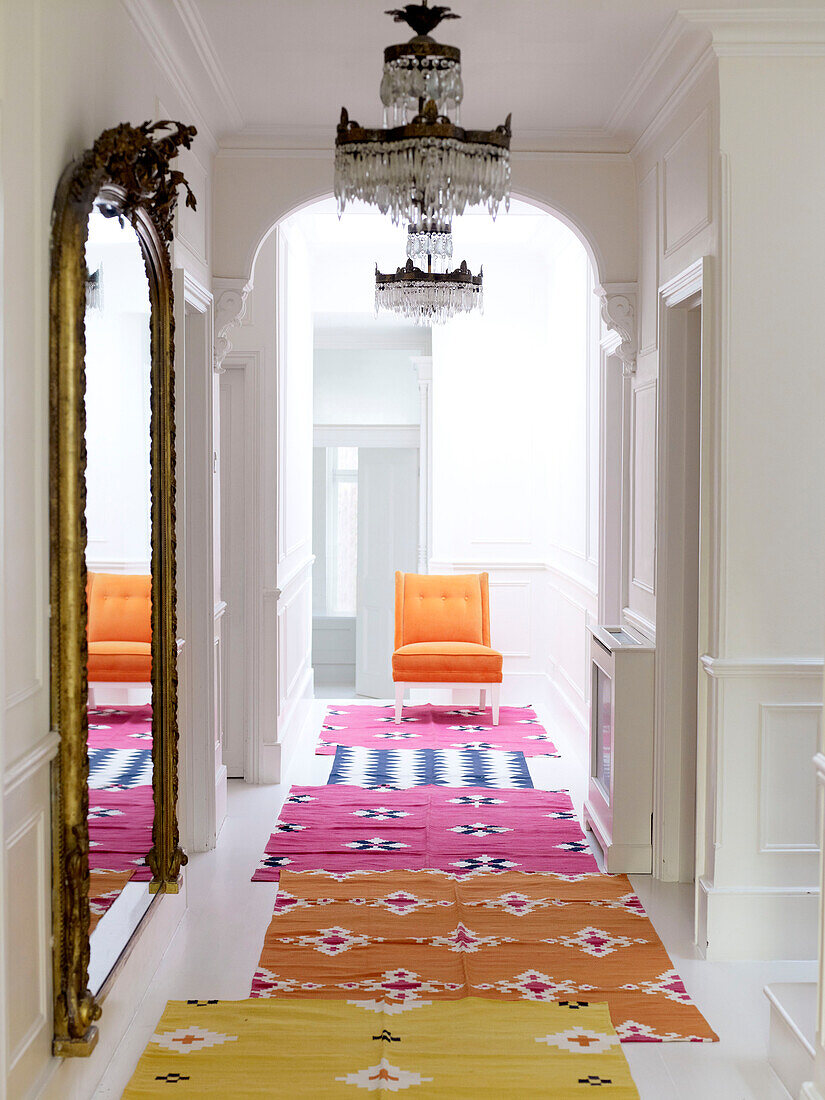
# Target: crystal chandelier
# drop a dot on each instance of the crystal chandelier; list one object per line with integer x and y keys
{"x": 424, "y": 291}
{"x": 422, "y": 162}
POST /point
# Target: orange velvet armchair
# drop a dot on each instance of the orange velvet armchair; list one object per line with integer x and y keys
{"x": 120, "y": 628}
{"x": 442, "y": 636}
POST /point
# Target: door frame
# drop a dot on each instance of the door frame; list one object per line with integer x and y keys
{"x": 202, "y": 785}
{"x": 677, "y": 747}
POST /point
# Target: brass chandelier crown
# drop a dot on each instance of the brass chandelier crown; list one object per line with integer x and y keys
{"x": 422, "y": 162}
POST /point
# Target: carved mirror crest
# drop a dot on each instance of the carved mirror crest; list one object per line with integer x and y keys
{"x": 112, "y": 526}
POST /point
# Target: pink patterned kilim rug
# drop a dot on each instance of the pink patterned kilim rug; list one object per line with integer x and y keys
{"x": 459, "y": 830}
{"x": 124, "y": 727}
{"x": 429, "y": 727}
{"x": 120, "y": 819}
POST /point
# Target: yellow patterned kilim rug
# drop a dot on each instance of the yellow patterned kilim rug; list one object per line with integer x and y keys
{"x": 464, "y": 1049}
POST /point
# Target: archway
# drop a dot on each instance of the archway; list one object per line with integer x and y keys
{"x": 521, "y": 577}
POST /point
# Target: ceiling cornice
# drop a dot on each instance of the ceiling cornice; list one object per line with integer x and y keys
{"x": 703, "y": 65}
{"x": 195, "y": 27}
{"x": 762, "y": 32}
{"x": 157, "y": 38}
{"x": 661, "y": 76}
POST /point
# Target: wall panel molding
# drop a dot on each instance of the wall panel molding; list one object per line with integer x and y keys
{"x": 787, "y": 824}
{"x": 681, "y": 164}
{"x": 722, "y": 667}
{"x": 41, "y": 754}
{"x": 26, "y": 865}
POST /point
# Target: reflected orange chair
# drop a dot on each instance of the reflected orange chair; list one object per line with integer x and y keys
{"x": 120, "y": 628}
{"x": 442, "y": 636}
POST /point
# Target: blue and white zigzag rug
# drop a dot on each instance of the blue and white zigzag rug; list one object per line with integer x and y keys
{"x": 121, "y": 768}
{"x": 397, "y": 769}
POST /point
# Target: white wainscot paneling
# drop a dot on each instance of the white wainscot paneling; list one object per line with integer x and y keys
{"x": 649, "y": 260}
{"x": 788, "y": 739}
{"x": 643, "y": 500}
{"x": 294, "y": 625}
{"x": 568, "y": 644}
{"x": 191, "y": 224}
{"x": 27, "y": 875}
{"x": 26, "y": 1013}
{"x": 687, "y": 184}
{"x": 510, "y": 617}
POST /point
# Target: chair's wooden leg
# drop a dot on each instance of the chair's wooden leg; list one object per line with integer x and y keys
{"x": 399, "y": 702}
{"x": 495, "y": 693}
{"x": 482, "y": 699}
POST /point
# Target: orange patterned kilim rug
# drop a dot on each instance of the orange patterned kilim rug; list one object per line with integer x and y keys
{"x": 401, "y": 936}
{"x": 473, "y": 1048}
{"x": 105, "y": 887}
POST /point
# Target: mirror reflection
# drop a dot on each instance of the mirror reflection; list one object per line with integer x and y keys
{"x": 119, "y": 585}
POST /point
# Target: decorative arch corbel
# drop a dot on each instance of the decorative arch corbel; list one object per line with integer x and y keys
{"x": 231, "y": 298}
{"x": 618, "y": 310}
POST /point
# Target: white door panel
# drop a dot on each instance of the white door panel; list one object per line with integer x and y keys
{"x": 387, "y": 540}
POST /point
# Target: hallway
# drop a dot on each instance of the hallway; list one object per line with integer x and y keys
{"x": 217, "y": 946}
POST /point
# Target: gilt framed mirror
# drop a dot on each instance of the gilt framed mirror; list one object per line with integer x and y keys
{"x": 112, "y": 528}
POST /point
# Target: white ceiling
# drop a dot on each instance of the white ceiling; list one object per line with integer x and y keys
{"x": 286, "y": 67}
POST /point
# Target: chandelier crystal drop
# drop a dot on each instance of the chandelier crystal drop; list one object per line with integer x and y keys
{"x": 422, "y": 163}
{"x": 429, "y": 294}
{"x": 430, "y": 241}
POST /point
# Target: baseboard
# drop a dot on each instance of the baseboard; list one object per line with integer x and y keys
{"x": 757, "y": 922}
{"x": 326, "y": 672}
{"x": 274, "y": 757}
{"x": 77, "y": 1078}
{"x": 220, "y": 800}
{"x": 568, "y": 725}
{"x": 792, "y": 1032}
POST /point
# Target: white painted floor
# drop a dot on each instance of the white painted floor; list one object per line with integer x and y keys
{"x": 218, "y": 944}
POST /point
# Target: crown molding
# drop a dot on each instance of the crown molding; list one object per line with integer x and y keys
{"x": 659, "y": 79}
{"x": 762, "y": 32}
{"x": 156, "y": 37}
{"x": 195, "y": 27}
{"x": 570, "y": 140}
{"x": 703, "y": 65}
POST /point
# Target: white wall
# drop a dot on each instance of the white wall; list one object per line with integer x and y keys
{"x": 267, "y": 485}
{"x": 364, "y": 386}
{"x": 60, "y": 90}
{"x": 719, "y": 179}
{"x": 515, "y": 455}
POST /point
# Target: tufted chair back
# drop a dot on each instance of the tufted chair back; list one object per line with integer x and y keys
{"x": 431, "y": 608}
{"x": 120, "y": 607}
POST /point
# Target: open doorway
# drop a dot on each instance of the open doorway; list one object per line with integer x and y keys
{"x": 678, "y": 836}
{"x": 376, "y": 445}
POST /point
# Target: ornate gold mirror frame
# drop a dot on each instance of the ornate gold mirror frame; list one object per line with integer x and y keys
{"x": 128, "y": 167}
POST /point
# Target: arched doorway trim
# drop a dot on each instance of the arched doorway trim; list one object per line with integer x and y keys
{"x": 618, "y": 300}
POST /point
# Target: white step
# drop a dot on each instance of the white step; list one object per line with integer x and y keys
{"x": 792, "y": 1032}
